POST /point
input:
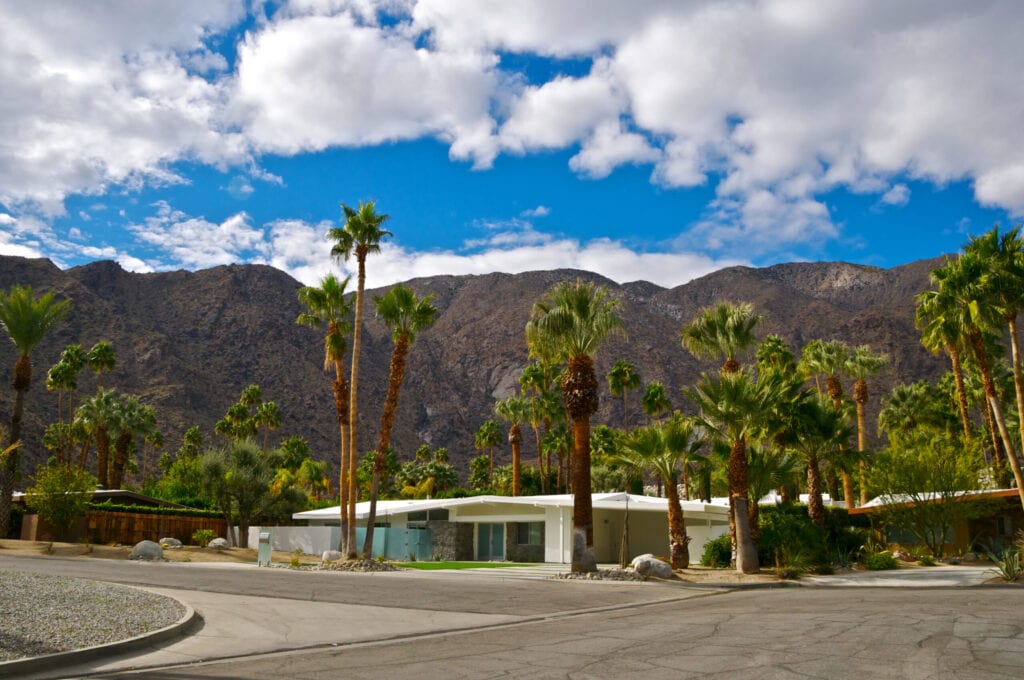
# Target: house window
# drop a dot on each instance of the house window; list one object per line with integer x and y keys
{"x": 529, "y": 533}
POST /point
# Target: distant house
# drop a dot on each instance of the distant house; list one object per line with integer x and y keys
{"x": 520, "y": 528}
{"x": 1002, "y": 518}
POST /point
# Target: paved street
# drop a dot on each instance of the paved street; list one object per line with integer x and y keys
{"x": 466, "y": 626}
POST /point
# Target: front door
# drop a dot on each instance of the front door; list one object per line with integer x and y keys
{"x": 490, "y": 542}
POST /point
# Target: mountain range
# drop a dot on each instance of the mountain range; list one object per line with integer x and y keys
{"x": 189, "y": 342}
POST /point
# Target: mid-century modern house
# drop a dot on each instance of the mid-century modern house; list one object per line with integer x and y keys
{"x": 519, "y": 529}
{"x": 996, "y": 527}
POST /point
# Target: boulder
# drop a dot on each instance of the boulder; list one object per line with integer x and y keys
{"x": 218, "y": 544}
{"x": 170, "y": 544}
{"x": 330, "y": 556}
{"x": 649, "y": 565}
{"x": 147, "y": 550}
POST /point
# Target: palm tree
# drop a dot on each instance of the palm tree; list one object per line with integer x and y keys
{"x": 361, "y": 236}
{"x": 486, "y": 439}
{"x": 267, "y": 416}
{"x": 621, "y": 378}
{"x": 514, "y": 410}
{"x": 725, "y": 330}
{"x": 647, "y": 449}
{"x": 964, "y": 291}
{"x": 26, "y": 319}
{"x": 131, "y": 419}
{"x": 1004, "y": 257}
{"x": 96, "y": 414}
{"x": 861, "y": 362}
{"x": 828, "y": 359}
{"x": 575, "y": 318}
{"x": 820, "y": 433}
{"x": 735, "y": 408}
{"x": 406, "y": 315}
{"x": 940, "y": 331}
{"x": 327, "y": 304}
{"x": 655, "y": 400}
{"x": 101, "y": 359}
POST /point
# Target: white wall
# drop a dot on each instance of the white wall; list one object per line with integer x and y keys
{"x": 311, "y": 540}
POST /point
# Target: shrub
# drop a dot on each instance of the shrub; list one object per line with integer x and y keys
{"x": 202, "y": 537}
{"x": 880, "y": 561}
{"x": 789, "y": 538}
{"x": 1008, "y": 564}
{"x": 717, "y": 552}
{"x": 926, "y": 561}
{"x": 60, "y": 494}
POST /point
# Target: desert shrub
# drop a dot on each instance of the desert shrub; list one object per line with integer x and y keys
{"x": 60, "y": 494}
{"x": 202, "y": 537}
{"x": 789, "y": 537}
{"x": 717, "y": 552}
{"x": 926, "y": 561}
{"x": 880, "y": 561}
{"x": 1008, "y": 564}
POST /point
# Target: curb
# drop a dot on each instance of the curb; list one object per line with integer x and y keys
{"x": 38, "y": 664}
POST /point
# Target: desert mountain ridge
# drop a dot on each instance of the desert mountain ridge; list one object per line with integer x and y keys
{"x": 189, "y": 342}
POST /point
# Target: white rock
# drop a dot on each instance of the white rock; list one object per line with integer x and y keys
{"x": 218, "y": 544}
{"x": 170, "y": 543}
{"x": 147, "y": 550}
{"x": 649, "y": 565}
{"x": 330, "y": 556}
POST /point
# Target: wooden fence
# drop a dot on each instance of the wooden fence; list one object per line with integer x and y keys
{"x": 102, "y": 526}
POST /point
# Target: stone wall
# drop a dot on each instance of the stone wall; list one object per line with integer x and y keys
{"x": 452, "y": 541}
{"x": 521, "y": 553}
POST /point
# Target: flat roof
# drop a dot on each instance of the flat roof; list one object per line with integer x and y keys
{"x": 601, "y": 501}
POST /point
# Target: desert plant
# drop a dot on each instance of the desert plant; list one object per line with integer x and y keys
{"x": 295, "y": 563}
{"x": 880, "y": 561}
{"x": 60, "y": 494}
{"x": 1008, "y": 564}
{"x": 926, "y": 561}
{"x": 202, "y": 537}
{"x": 792, "y": 561}
{"x": 717, "y": 552}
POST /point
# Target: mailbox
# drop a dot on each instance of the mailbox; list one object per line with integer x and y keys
{"x": 263, "y": 554}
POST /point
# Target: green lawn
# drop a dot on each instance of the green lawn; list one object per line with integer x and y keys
{"x": 459, "y": 565}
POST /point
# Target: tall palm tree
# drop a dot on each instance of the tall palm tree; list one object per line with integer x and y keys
{"x": 361, "y": 235}
{"x": 940, "y": 331}
{"x": 514, "y": 410}
{"x": 327, "y": 304}
{"x": 407, "y": 316}
{"x": 537, "y": 383}
{"x": 131, "y": 419}
{"x": 820, "y": 433}
{"x": 623, "y": 377}
{"x": 723, "y": 330}
{"x": 26, "y": 319}
{"x": 964, "y": 289}
{"x": 101, "y": 359}
{"x": 828, "y": 359}
{"x": 486, "y": 439}
{"x": 655, "y": 400}
{"x": 862, "y": 362}
{"x": 736, "y": 408}
{"x": 1004, "y": 258}
{"x": 576, "y": 318}
{"x": 96, "y": 415}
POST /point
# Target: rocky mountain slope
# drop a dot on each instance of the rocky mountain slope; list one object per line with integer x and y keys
{"x": 189, "y": 342}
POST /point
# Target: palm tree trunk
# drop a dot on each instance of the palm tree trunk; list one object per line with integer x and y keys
{"x": 678, "y": 541}
{"x": 102, "y": 456}
{"x": 540, "y": 459}
{"x": 121, "y": 445}
{"x": 353, "y": 402}
{"x": 860, "y": 398}
{"x": 815, "y": 508}
{"x": 746, "y": 553}
{"x": 515, "y": 439}
{"x": 583, "y": 559}
{"x": 961, "y": 392}
{"x": 341, "y": 410}
{"x": 992, "y": 414}
{"x": 387, "y": 422}
{"x": 1011, "y": 455}
{"x": 1018, "y": 383}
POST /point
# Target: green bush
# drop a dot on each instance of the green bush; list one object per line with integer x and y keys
{"x": 717, "y": 552}
{"x": 107, "y": 506}
{"x": 1008, "y": 564}
{"x": 790, "y": 539}
{"x": 880, "y": 561}
{"x": 926, "y": 561}
{"x": 202, "y": 537}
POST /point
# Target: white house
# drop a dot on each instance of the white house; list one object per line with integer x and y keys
{"x": 521, "y": 528}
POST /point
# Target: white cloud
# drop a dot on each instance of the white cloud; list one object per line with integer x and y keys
{"x": 311, "y": 82}
{"x": 539, "y": 211}
{"x": 899, "y": 194}
{"x": 195, "y": 243}
{"x": 609, "y": 147}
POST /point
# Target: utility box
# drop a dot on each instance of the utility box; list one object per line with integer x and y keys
{"x": 263, "y": 554}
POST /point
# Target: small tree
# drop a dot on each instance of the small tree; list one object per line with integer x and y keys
{"x": 60, "y": 493}
{"x": 922, "y": 481}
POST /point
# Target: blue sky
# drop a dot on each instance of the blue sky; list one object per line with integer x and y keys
{"x": 651, "y": 139}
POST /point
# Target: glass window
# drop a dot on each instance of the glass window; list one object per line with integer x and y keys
{"x": 530, "y": 533}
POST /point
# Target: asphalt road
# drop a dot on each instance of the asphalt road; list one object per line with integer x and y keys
{"x": 605, "y": 630}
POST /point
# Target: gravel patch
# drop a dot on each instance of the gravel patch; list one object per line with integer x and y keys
{"x": 604, "y": 575}
{"x": 41, "y": 614}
